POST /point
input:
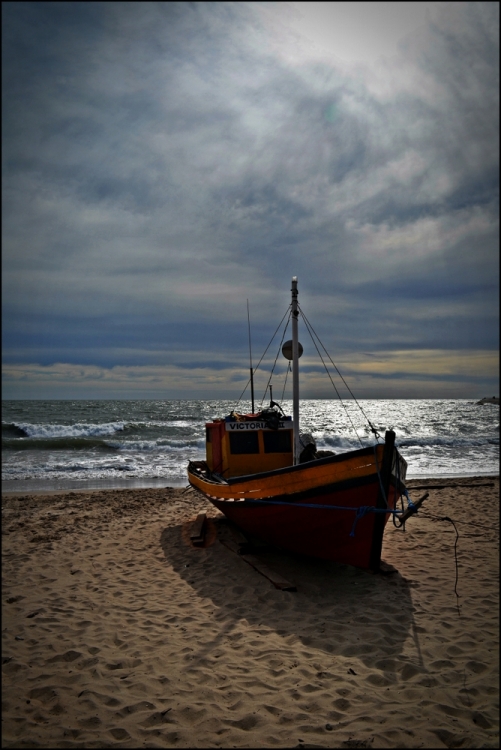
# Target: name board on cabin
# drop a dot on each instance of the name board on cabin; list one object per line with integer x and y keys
{"x": 237, "y": 426}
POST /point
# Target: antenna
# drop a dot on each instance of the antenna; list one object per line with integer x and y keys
{"x": 250, "y": 359}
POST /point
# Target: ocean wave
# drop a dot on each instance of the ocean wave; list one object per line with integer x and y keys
{"x": 448, "y": 441}
{"x": 78, "y": 430}
{"x": 11, "y": 430}
{"x": 159, "y": 444}
{"x": 345, "y": 442}
{"x": 341, "y": 442}
{"x": 56, "y": 444}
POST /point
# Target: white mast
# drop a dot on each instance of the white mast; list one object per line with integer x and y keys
{"x": 295, "y": 372}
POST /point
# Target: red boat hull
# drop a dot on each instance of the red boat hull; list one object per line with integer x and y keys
{"x": 327, "y": 533}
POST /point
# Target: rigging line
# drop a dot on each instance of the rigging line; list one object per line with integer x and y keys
{"x": 274, "y": 364}
{"x": 288, "y": 370}
{"x": 329, "y": 375}
{"x": 335, "y": 366}
{"x": 287, "y": 311}
{"x": 242, "y": 394}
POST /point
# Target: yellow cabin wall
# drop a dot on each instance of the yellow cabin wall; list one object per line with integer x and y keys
{"x": 244, "y": 463}
{"x": 251, "y": 463}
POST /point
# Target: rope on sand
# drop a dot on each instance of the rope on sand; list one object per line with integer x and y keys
{"x": 446, "y": 518}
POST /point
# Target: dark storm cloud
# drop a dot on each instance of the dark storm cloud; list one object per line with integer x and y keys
{"x": 162, "y": 164}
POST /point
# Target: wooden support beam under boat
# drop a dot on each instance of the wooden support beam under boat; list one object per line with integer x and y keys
{"x": 383, "y": 493}
{"x": 197, "y": 533}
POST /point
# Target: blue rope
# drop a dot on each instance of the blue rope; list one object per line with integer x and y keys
{"x": 410, "y": 505}
{"x": 359, "y": 512}
{"x": 370, "y": 508}
{"x": 398, "y": 497}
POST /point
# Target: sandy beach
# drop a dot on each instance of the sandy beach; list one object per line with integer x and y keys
{"x": 118, "y": 632}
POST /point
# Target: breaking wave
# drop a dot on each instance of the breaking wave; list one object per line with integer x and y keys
{"x": 79, "y": 430}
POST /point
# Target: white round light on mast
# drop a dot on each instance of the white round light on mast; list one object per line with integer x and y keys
{"x": 287, "y": 350}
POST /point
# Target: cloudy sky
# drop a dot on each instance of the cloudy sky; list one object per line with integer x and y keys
{"x": 163, "y": 163}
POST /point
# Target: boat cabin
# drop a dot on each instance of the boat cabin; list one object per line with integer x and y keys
{"x": 248, "y": 444}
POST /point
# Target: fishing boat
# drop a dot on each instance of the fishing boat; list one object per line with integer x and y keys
{"x": 272, "y": 483}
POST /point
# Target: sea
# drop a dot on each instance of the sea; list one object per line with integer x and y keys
{"x": 71, "y": 445}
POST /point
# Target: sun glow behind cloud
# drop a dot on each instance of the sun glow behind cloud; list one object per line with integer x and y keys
{"x": 349, "y": 32}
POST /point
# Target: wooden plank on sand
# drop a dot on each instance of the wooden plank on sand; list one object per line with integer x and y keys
{"x": 246, "y": 546}
{"x": 277, "y": 580}
{"x": 238, "y": 536}
{"x": 198, "y": 529}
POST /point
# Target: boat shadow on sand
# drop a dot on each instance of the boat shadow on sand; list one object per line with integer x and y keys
{"x": 336, "y": 609}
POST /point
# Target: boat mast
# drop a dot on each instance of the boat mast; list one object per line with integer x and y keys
{"x": 250, "y": 360}
{"x": 295, "y": 372}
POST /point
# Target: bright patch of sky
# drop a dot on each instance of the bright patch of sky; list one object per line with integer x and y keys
{"x": 165, "y": 162}
{"x": 353, "y": 32}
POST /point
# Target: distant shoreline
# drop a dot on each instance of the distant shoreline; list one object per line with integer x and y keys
{"x": 40, "y": 487}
